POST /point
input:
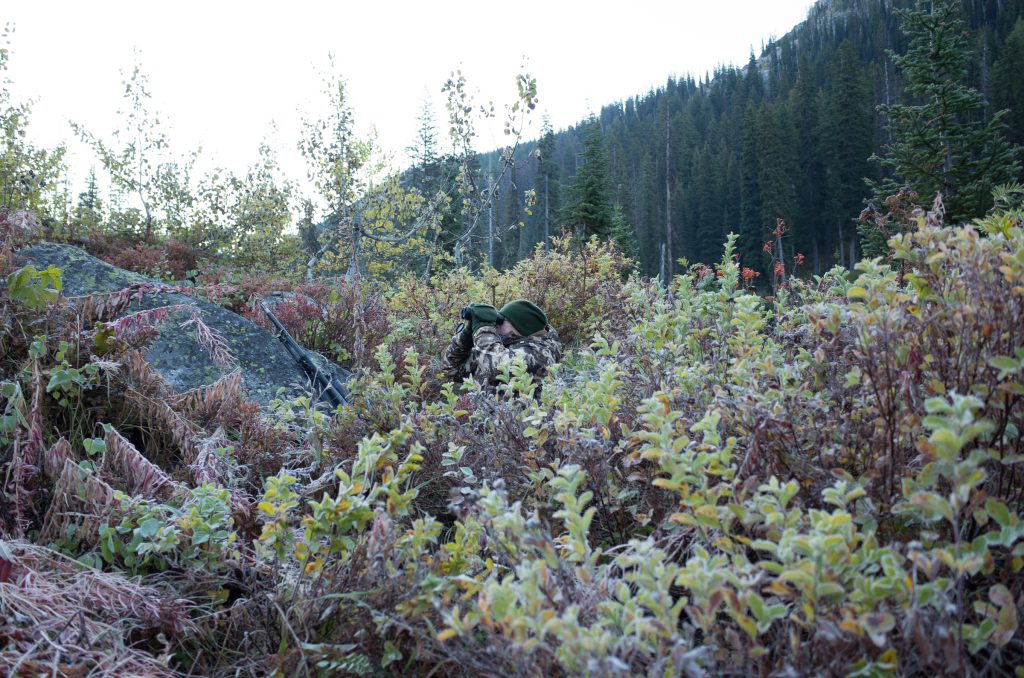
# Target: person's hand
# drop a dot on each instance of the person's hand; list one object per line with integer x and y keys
{"x": 485, "y": 315}
{"x": 475, "y": 316}
{"x": 465, "y": 330}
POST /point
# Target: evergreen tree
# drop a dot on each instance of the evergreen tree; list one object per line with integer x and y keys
{"x": 623, "y": 234}
{"x": 750, "y": 231}
{"x": 810, "y": 187}
{"x": 941, "y": 143}
{"x": 777, "y": 166}
{"x": 511, "y": 232}
{"x": 708, "y": 218}
{"x": 588, "y": 210}
{"x": 651, "y": 231}
{"x": 1008, "y": 82}
{"x": 547, "y": 185}
{"x": 424, "y": 154}
{"x": 846, "y": 130}
{"x": 89, "y": 210}
{"x": 753, "y": 81}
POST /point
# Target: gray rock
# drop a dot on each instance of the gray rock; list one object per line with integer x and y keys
{"x": 175, "y": 353}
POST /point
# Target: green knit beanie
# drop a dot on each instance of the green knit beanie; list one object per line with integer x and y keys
{"x": 525, "y": 316}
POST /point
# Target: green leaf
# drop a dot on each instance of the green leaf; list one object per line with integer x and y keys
{"x": 857, "y": 293}
{"x": 391, "y": 654}
{"x": 932, "y": 505}
{"x": 1000, "y": 512}
{"x": 149, "y": 527}
{"x": 1006, "y": 364}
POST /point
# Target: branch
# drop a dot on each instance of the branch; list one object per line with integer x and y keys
{"x": 419, "y": 223}
{"x": 315, "y": 259}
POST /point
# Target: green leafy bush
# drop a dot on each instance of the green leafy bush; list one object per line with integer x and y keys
{"x": 197, "y": 535}
{"x": 827, "y": 481}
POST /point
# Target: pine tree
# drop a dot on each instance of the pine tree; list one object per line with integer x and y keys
{"x": 941, "y": 143}
{"x": 751, "y": 232}
{"x": 777, "y": 166}
{"x": 547, "y": 186}
{"x": 589, "y": 211}
{"x": 1008, "y": 82}
{"x": 89, "y": 210}
{"x": 424, "y": 154}
{"x": 623, "y": 234}
{"x": 707, "y": 193}
{"x": 846, "y": 131}
{"x": 810, "y": 187}
{"x": 511, "y": 231}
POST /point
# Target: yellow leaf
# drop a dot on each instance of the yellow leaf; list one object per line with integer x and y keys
{"x": 748, "y": 625}
{"x": 683, "y": 519}
{"x": 857, "y": 293}
{"x": 267, "y": 507}
{"x": 851, "y": 626}
{"x": 890, "y": 658}
{"x": 446, "y": 635}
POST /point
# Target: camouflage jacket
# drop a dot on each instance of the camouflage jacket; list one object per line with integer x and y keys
{"x": 492, "y": 351}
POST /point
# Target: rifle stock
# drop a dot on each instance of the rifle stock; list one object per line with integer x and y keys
{"x": 327, "y": 385}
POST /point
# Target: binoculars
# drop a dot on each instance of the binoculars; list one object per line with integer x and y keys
{"x": 467, "y": 314}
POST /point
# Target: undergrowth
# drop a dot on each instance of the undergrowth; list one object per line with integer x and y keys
{"x": 828, "y": 482}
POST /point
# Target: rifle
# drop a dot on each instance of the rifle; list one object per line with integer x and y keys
{"x": 328, "y": 386}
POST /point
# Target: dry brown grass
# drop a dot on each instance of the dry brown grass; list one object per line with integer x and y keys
{"x": 60, "y": 618}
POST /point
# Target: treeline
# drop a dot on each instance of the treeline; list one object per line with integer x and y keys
{"x": 787, "y": 136}
{"x": 786, "y": 151}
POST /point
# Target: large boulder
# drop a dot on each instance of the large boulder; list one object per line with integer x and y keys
{"x": 176, "y": 353}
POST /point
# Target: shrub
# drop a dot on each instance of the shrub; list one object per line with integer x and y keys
{"x": 824, "y": 482}
{"x": 344, "y": 321}
{"x": 154, "y": 537}
{"x": 579, "y": 287}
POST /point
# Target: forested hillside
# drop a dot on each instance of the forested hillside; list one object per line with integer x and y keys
{"x": 787, "y": 135}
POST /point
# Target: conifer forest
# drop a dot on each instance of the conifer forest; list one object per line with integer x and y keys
{"x": 783, "y": 434}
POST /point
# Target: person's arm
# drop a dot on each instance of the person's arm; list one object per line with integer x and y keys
{"x": 453, "y": 364}
{"x": 475, "y": 317}
{"x": 490, "y": 356}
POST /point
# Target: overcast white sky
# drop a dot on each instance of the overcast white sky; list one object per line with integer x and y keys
{"x": 222, "y": 71}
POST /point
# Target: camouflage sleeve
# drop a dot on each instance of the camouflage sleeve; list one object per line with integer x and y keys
{"x": 490, "y": 356}
{"x": 454, "y": 362}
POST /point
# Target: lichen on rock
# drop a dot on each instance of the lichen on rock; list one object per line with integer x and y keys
{"x": 176, "y": 353}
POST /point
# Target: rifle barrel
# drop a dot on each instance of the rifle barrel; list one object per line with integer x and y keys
{"x": 328, "y": 386}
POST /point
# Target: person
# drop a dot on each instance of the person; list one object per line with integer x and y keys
{"x": 490, "y": 339}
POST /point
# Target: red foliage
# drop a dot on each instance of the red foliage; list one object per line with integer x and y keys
{"x": 344, "y": 322}
{"x": 181, "y": 259}
{"x": 260, "y": 444}
{"x": 138, "y": 256}
{"x": 173, "y": 258}
{"x": 238, "y": 295}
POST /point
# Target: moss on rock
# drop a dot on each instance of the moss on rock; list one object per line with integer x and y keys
{"x": 266, "y": 365}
